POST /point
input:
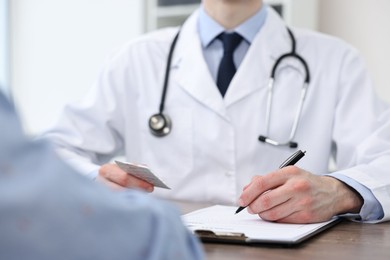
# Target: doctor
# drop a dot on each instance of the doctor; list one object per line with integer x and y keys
{"x": 224, "y": 135}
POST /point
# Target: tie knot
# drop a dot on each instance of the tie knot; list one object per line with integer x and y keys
{"x": 230, "y": 41}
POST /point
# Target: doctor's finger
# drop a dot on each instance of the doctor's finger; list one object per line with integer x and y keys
{"x": 269, "y": 200}
{"x": 133, "y": 182}
{"x": 114, "y": 174}
{"x": 110, "y": 184}
{"x": 302, "y": 217}
{"x": 261, "y": 184}
{"x": 280, "y": 213}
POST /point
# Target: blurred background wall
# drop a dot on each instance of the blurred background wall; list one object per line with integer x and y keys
{"x": 366, "y": 25}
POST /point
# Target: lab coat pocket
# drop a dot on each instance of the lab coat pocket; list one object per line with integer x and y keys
{"x": 170, "y": 156}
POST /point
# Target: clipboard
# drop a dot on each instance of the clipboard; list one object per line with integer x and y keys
{"x": 220, "y": 224}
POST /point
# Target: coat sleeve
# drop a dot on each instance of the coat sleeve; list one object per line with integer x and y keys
{"x": 373, "y": 164}
{"x": 361, "y": 132}
{"x": 89, "y": 133}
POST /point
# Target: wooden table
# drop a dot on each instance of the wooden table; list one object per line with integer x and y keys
{"x": 346, "y": 240}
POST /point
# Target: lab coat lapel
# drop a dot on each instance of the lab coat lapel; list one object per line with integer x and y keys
{"x": 255, "y": 70}
{"x": 192, "y": 72}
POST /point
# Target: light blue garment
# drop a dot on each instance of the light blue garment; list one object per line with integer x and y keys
{"x": 371, "y": 209}
{"x": 48, "y": 211}
{"x": 213, "y": 51}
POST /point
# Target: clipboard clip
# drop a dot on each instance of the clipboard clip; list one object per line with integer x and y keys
{"x": 211, "y": 236}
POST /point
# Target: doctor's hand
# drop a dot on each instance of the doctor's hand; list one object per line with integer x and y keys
{"x": 116, "y": 178}
{"x": 292, "y": 195}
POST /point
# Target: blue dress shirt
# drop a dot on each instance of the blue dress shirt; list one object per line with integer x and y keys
{"x": 212, "y": 47}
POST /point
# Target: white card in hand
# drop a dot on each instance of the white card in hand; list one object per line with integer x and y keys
{"x": 141, "y": 172}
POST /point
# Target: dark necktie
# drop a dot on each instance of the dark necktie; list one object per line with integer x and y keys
{"x": 227, "y": 69}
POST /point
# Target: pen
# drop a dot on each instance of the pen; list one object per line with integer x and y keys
{"x": 293, "y": 159}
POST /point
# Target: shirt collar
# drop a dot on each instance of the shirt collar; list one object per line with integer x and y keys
{"x": 209, "y": 29}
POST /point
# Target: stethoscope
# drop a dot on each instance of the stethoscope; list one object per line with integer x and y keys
{"x": 160, "y": 124}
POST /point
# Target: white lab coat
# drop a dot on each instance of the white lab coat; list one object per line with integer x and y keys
{"x": 213, "y": 149}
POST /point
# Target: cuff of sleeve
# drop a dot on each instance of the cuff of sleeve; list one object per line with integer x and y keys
{"x": 371, "y": 209}
{"x": 92, "y": 175}
{"x": 81, "y": 165}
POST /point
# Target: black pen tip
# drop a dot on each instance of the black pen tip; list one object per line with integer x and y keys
{"x": 239, "y": 209}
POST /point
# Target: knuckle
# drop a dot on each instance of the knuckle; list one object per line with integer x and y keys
{"x": 244, "y": 197}
{"x": 265, "y": 201}
{"x": 271, "y": 215}
{"x": 259, "y": 183}
{"x": 301, "y": 185}
{"x": 292, "y": 170}
{"x": 252, "y": 208}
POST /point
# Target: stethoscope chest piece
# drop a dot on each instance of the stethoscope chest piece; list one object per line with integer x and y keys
{"x": 160, "y": 125}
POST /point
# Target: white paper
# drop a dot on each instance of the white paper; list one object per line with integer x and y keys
{"x": 142, "y": 172}
{"x": 222, "y": 220}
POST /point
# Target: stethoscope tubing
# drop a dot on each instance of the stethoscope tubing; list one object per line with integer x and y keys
{"x": 167, "y": 69}
{"x": 292, "y": 54}
{"x": 160, "y": 124}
